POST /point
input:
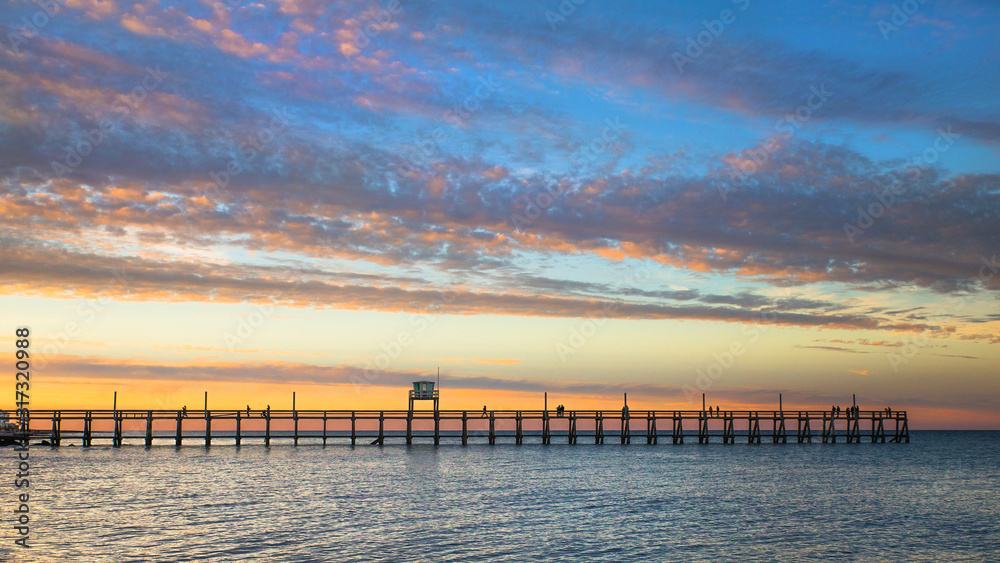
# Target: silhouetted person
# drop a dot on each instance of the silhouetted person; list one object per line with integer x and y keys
{"x": 184, "y": 411}
{"x": 484, "y": 412}
{"x": 248, "y": 410}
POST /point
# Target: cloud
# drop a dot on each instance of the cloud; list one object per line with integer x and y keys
{"x": 382, "y": 166}
{"x": 832, "y": 349}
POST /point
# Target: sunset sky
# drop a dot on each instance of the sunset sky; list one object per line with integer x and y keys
{"x": 736, "y": 197}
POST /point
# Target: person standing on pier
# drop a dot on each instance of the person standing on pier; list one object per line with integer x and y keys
{"x": 184, "y": 411}
{"x": 484, "y": 412}
{"x": 248, "y": 410}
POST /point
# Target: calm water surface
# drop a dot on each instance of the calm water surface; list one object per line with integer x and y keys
{"x": 937, "y": 498}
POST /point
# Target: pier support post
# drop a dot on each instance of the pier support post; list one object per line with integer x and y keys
{"x": 878, "y": 430}
{"x": 178, "y": 437}
{"x": 571, "y": 433}
{"x": 803, "y": 433}
{"x": 354, "y": 433}
{"x": 295, "y": 432}
{"x": 517, "y": 428}
{"x": 267, "y": 428}
{"x": 56, "y": 428}
{"x": 902, "y": 432}
{"x": 409, "y": 425}
{"x": 853, "y": 429}
{"x": 493, "y": 432}
{"x": 778, "y": 434}
{"x": 437, "y": 427}
{"x": 545, "y": 427}
{"x": 703, "y": 427}
{"x": 598, "y": 427}
{"x": 728, "y": 429}
{"x": 116, "y": 440}
{"x": 753, "y": 436}
{"x": 149, "y": 429}
{"x": 678, "y": 431}
{"x": 465, "y": 428}
{"x": 626, "y": 434}
{"x": 381, "y": 428}
{"x": 208, "y": 428}
{"x": 324, "y": 427}
{"x": 238, "y": 435}
{"x": 87, "y": 422}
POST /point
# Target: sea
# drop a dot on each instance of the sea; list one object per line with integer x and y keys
{"x": 934, "y": 499}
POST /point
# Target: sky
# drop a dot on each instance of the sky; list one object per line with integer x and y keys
{"x": 737, "y": 198}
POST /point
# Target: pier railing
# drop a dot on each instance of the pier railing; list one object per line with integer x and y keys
{"x": 492, "y": 427}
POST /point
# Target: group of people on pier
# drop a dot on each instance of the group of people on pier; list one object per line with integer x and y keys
{"x": 850, "y": 412}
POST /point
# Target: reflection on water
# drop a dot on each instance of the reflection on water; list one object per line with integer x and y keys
{"x": 933, "y": 499}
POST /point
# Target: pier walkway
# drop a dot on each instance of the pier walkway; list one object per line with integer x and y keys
{"x": 239, "y": 427}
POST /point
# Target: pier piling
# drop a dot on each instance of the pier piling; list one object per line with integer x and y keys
{"x": 87, "y": 429}
{"x": 56, "y": 428}
{"x": 493, "y": 432}
{"x": 465, "y": 428}
{"x": 267, "y": 428}
{"x": 180, "y": 435}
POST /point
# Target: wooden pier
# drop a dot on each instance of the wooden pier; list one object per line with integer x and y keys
{"x": 238, "y": 427}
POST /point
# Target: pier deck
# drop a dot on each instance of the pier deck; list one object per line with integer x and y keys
{"x": 239, "y": 427}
